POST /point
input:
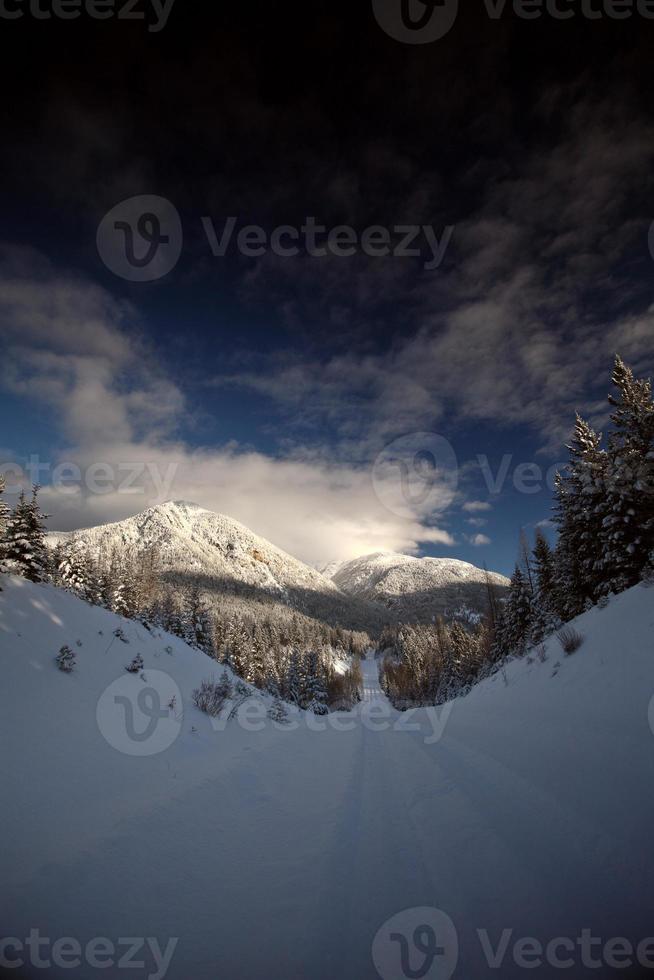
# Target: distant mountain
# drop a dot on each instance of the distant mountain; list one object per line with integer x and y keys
{"x": 417, "y": 589}
{"x": 225, "y": 557}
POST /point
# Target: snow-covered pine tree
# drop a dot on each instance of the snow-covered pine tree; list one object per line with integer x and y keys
{"x": 5, "y": 515}
{"x": 545, "y": 616}
{"x": 66, "y": 660}
{"x": 293, "y": 683}
{"x": 238, "y": 647}
{"x": 26, "y": 552}
{"x": 278, "y": 712}
{"x": 257, "y": 664}
{"x": 75, "y": 571}
{"x": 579, "y": 514}
{"x": 197, "y": 627}
{"x": 628, "y": 525}
{"x": 123, "y": 602}
{"x": 55, "y": 558}
{"x": 219, "y": 637}
{"x": 518, "y": 614}
{"x": 37, "y": 531}
{"x": 314, "y": 695}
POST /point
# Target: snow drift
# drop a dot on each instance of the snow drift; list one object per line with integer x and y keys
{"x": 513, "y": 820}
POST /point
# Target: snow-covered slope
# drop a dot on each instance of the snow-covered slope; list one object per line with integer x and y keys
{"x": 223, "y": 556}
{"x": 416, "y": 589}
{"x": 191, "y": 539}
{"x": 242, "y": 850}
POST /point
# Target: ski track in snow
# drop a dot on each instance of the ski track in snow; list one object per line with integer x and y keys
{"x": 279, "y": 854}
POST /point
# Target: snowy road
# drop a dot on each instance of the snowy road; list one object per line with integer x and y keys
{"x": 371, "y": 688}
{"x": 280, "y": 854}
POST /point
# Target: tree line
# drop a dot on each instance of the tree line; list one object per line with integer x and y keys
{"x": 604, "y": 514}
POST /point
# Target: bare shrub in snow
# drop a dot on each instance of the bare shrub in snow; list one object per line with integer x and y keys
{"x": 212, "y": 695}
{"x": 569, "y": 639}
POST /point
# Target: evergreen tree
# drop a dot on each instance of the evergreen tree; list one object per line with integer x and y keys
{"x": 25, "y": 540}
{"x": 545, "y": 618}
{"x": 55, "y": 558}
{"x": 628, "y": 525}
{"x": 5, "y": 515}
{"x": 277, "y": 712}
{"x": 579, "y": 514}
{"x": 518, "y": 614}
{"x": 314, "y": 694}
{"x": 293, "y": 679}
{"x": 257, "y": 662}
{"x": 197, "y": 628}
{"x": 76, "y": 572}
{"x": 66, "y": 660}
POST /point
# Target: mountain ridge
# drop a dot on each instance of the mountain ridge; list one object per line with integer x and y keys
{"x": 223, "y": 555}
{"x": 417, "y": 588}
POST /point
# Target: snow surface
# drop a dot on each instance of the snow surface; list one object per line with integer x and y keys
{"x": 280, "y": 852}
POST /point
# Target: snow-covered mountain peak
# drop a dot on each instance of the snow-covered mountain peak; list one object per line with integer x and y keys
{"x": 416, "y": 588}
{"x": 224, "y": 556}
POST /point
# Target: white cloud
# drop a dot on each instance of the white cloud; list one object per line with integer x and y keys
{"x": 67, "y": 344}
{"x": 477, "y": 540}
{"x": 473, "y": 506}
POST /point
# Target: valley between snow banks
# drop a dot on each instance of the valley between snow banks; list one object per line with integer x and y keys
{"x": 250, "y": 851}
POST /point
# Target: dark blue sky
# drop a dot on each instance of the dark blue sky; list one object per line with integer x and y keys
{"x": 289, "y": 391}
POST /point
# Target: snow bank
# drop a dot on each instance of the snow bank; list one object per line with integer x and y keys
{"x": 521, "y": 810}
